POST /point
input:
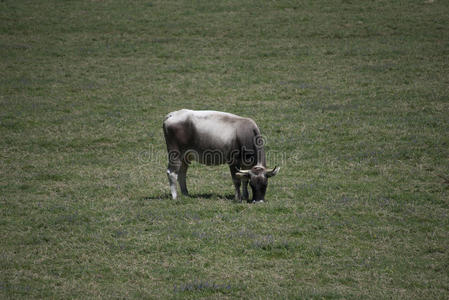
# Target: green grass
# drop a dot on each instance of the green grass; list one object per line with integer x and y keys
{"x": 352, "y": 97}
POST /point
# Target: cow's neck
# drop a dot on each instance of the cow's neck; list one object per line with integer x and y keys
{"x": 260, "y": 155}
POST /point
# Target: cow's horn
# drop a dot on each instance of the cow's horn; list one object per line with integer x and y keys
{"x": 245, "y": 172}
{"x": 273, "y": 171}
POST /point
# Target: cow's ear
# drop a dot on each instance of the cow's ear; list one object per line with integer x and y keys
{"x": 242, "y": 175}
{"x": 273, "y": 172}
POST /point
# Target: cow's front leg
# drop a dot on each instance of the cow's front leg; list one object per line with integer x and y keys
{"x": 238, "y": 196}
{"x": 172, "y": 174}
{"x": 236, "y": 182}
{"x": 182, "y": 178}
{"x": 245, "y": 189}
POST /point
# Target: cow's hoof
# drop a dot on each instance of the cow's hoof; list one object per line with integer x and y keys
{"x": 255, "y": 202}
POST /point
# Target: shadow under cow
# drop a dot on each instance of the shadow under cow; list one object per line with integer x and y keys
{"x": 167, "y": 196}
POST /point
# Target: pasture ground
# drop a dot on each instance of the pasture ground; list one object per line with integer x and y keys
{"x": 352, "y": 97}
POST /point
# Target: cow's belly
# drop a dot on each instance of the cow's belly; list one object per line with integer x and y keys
{"x": 213, "y": 158}
{"x": 209, "y": 156}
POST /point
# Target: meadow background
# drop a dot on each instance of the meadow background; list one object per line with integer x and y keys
{"x": 352, "y": 97}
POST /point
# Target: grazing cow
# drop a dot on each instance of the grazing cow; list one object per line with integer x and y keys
{"x": 214, "y": 138}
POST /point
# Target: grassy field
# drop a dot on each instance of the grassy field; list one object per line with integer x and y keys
{"x": 352, "y": 97}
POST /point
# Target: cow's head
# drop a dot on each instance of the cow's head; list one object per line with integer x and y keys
{"x": 258, "y": 180}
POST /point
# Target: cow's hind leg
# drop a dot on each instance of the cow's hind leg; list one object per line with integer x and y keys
{"x": 182, "y": 178}
{"x": 172, "y": 174}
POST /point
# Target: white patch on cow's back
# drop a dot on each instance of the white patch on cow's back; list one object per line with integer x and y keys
{"x": 181, "y": 115}
{"x": 215, "y": 130}
{"x": 215, "y": 125}
{"x": 212, "y": 113}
